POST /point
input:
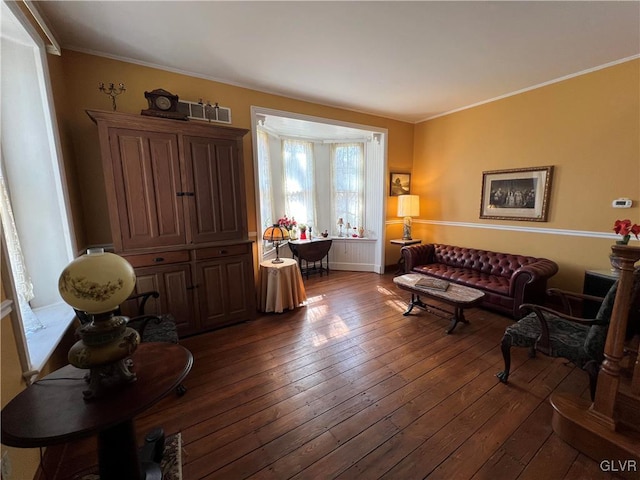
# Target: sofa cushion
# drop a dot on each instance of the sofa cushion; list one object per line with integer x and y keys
{"x": 490, "y": 263}
{"x": 468, "y": 277}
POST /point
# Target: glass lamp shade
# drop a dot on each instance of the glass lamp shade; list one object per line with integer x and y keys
{"x": 97, "y": 282}
{"x": 276, "y": 233}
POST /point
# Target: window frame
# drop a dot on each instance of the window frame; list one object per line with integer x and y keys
{"x": 35, "y": 351}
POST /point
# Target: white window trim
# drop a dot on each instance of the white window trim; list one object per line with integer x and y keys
{"x": 57, "y": 316}
{"x": 375, "y": 179}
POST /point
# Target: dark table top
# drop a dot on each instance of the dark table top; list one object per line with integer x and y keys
{"x": 53, "y": 410}
{"x": 311, "y": 250}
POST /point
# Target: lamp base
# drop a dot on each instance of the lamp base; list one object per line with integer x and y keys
{"x": 105, "y": 378}
{"x": 277, "y": 260}
{"x": 406, "y": 229}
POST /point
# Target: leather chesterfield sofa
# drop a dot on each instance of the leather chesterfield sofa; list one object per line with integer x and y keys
{"x": 508, "y": 280}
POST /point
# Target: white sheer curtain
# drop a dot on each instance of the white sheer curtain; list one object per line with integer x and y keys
{"x": 299, "y": 185}
{"x": 22, "y": 280}
{"x": 266, "y": 192}
{"x": 347, "y": 182}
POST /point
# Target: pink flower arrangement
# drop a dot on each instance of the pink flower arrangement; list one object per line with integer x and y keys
{"x": 287, "y": 223}
{"x": 625, "y": 228}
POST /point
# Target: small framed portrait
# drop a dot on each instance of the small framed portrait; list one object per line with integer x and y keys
{"x": 400, "y": 184}
{"x": 518, "y": 194}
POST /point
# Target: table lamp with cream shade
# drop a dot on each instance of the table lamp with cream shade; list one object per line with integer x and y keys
{"x": 408, "y": 206}
{"x": 276, "y": 234}
{"x": 95, "y": 285}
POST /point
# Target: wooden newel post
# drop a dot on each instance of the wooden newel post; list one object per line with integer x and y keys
{"x": 624, "y": 258}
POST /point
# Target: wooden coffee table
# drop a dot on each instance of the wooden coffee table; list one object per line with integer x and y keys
{"x": 457, "y": 296}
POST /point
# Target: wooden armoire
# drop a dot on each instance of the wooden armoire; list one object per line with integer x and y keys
{"x": 177, "y": 210}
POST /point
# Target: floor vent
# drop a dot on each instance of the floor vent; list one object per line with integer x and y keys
{"x": 209, "y": 113}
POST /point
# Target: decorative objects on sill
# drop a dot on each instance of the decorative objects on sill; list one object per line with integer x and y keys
{"x": 625, "y": 228}
{"x": 408, "y": 206}
{"x": 303, "y": 231}
{"x": 290, "y": 225}
{"x": 97, "y": 283}
{"x": 325, "y": 234}
{"x": 276, "y": 234}
{"x": 112, "y": 91}
{"x": 361, "y": 232}
{"x": 340, "y": 225}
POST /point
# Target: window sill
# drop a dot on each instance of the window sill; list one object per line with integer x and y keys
{"x": 42, "y": 343}
{"x": 354, "y": 239}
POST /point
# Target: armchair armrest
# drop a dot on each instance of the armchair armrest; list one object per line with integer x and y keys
{"x": 544, "y": 344}
{"x": 566, "y": 296}
{"x": 145, "y": 296}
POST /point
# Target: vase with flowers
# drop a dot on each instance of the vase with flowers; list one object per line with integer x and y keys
{"x": 290, "y": 224}
{"x": 626, "y": 229}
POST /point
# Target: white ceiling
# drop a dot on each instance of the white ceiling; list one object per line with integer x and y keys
{"x": 404, "y": 60}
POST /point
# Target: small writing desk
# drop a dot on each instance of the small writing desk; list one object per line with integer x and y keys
{"x": 53, "y": 410}
{"x": 281, "y": 286}
{"x": 314, "y": 250}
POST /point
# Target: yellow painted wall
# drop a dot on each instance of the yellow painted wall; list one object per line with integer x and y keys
{"x": 82, "y": 74}
{"x": 588, "y": 127}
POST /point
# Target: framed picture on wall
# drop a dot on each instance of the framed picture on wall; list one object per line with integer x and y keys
{"x": 517, "y": 194}
{"x": 400, "y": 184}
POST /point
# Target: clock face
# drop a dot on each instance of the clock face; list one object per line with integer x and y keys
{"x": 163, "y": 103}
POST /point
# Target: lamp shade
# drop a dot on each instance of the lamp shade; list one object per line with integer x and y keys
{"x": 408, "y": 205}
{"x": 275, "y": 233}
{"x": 97, "y": 282}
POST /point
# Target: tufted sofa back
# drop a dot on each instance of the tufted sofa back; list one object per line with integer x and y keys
{"x": 491, "y": 263}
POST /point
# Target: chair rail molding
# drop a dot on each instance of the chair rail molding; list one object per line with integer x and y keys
{"x": 515, "y": 228}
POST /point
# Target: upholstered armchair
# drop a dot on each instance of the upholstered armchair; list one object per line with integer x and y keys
{"x": 152, "y": 328}
{"x": 558, "y": 334}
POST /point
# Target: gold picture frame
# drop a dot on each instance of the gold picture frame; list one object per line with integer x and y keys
{"x": 399, "y": 184}
{"x": 516, "y": 194}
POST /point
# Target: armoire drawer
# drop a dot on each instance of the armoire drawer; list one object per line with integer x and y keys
{"x": 158, "y": 258}
{"x": 222, "y": 251}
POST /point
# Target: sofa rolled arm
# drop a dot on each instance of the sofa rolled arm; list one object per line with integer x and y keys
{"x": 529, "y": 283}
{"x": 414, "y": 255}
{"x": 538, "y": 271}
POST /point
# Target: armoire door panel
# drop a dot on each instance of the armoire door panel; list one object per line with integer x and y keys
{"x": 226, "y": 290}
{"x": 212, "y": 293}
{"x": 147, "y": 179}
{"x": 237, "y": 298}
{"x": 214, "y": 209}
{"x": 173, "y": 283}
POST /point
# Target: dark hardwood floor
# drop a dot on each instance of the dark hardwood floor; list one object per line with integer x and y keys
{"x": 346, "y": 387}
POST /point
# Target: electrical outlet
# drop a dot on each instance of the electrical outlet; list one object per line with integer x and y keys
{"x": 5, "y": 466}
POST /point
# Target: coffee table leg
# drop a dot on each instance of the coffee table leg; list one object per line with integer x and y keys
{"x": 458, "y": 316}
{"x": 415, "y": 302}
